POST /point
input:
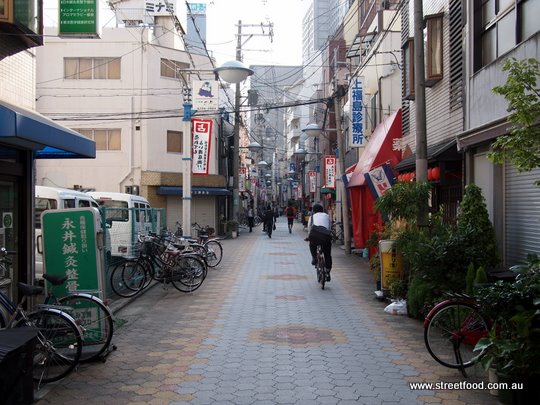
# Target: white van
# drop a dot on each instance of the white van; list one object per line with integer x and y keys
{"x": 127, "y": 215}
{"x": 52, "y": 198}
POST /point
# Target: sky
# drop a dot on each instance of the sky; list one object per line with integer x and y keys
{"x": 222, "y": 17}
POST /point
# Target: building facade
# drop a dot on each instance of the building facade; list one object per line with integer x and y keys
{"x": 125, "y": 90}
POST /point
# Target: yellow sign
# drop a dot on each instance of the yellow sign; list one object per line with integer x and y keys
{"x": 391, "y": 262}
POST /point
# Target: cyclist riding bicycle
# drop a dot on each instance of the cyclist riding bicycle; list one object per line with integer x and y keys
{"x": 319, "y": 230}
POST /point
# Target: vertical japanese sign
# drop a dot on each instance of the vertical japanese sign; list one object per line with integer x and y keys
{"x": 329, "y": 171}
{"x": 78, "y": 18}
{"x": 312, "y": 181}
{"x": 356, "y": 96}
{"x": 242, "y": 174}
{"x": 70, "y": 248}
{"x": 202, "y": 136}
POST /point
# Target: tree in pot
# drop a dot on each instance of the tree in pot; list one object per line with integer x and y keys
{"x": 232, "y": 226}
{"x": 513, "y": 344}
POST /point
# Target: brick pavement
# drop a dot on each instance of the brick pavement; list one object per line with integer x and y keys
{"x": 261, "y": 331}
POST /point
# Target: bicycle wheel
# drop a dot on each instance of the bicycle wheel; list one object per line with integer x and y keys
{"x": 214, "y": 253}
{"x": 58, "y": 347}
{"x": 188, "y": 273}
{"x": 128, "y": 278}
{"x": 322, "y": 270}
{"x": 452, "y": 332}
{"x": 96, "y": 320}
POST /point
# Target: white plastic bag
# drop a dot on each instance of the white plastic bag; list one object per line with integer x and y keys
{"x": 398, "y": 307}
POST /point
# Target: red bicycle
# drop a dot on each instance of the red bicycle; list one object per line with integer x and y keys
{"x": 452, "y": 329}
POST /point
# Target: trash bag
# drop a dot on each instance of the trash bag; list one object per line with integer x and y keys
{"x": 398, "y": 307}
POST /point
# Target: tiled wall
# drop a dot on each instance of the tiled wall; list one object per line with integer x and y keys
{"x": 17, "y": 79}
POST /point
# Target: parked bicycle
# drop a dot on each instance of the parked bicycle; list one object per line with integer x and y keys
{"x": 59, "y": 338}
{"x": 337, "y": 233}
{"x": 213, "y": 248}
{"x": 452, "y": 329}
{"x": 91, "y": 314}
{"x": 160, "y": 260}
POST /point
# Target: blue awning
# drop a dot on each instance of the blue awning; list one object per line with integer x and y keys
{"x": 24, "y": 128}
{"x": 174, "y": 190}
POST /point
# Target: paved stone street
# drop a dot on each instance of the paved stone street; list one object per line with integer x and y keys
{"x": 261, "y": 331}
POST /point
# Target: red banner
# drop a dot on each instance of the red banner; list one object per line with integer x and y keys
{"x": 329, "y": 171}
{"x": 202, "y": 137}
{"x": 312, "y": 181}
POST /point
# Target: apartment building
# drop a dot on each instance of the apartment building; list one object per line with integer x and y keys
{"x": 125, "y": 90}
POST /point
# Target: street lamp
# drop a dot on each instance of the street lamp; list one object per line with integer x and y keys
{"x": 235, "y": 72}
{"x": 312, "y": 130}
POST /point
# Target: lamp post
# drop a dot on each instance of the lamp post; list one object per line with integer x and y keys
{"x": 235, "y": 72}
{"x": 187, "y": 164}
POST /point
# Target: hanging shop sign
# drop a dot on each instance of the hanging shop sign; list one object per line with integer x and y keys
{"x": 312, "y": 180}
{"x": 356, "y": 96}
{"x": 202, "y": 137}
{"x": 379, "y": 180}
{"x": 205, "y": 95}
{"x": 78, "y": 18}
{"x": 329, "y": 171}
{"x": 242, "y": 175}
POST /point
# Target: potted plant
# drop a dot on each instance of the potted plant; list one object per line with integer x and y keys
{"x": 232, "y": 227}
{"x": 512, "y": 346}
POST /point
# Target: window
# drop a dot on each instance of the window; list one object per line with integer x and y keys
{"x": 500, "y": 25}
{"x": 105, "y": 139}
{"x": 172, "y": 68}
{"x": 91, "y": 68}
{"x": 174, "y": 142}
{"x": 408, "y": 70}
{"x": 434, "y": 48}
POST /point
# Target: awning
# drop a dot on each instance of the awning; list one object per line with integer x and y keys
{"x": 434, "y": 153}
{"x": 483, "y": 133}
{"x": 175, "y": 190}
{"x": 325, "y": 190}
{"x": 379, "y": 149}
{"x": 24, "y": 128}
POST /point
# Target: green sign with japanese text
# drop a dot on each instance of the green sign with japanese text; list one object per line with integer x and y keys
{"x": 70, "y": 248}
{"x": 78, "y": 18}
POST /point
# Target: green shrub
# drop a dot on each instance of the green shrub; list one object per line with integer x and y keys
{"x": 420, "y": 292}
{"x": 469, "y": 280}
{"x": 481, "y": 276}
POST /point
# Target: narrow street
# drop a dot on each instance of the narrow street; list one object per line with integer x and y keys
{"x": 261, "y": 331}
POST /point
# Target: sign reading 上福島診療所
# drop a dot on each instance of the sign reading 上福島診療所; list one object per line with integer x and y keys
{"x": 356, "y": 97}
{"x": 70, "y": 248}
{"x": 78, "y": 18}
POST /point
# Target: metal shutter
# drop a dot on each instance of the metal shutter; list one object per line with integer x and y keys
{"x": 522, "y": 215}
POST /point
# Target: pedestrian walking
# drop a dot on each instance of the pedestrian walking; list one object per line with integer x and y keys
{"x": 251, "y": 217}
{"x": 290, "y": 211}
{"x": 269, "y": 220}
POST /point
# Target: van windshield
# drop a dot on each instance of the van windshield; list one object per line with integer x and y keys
{"x": 43, "y": 204}
{"x": 115, "y": 210}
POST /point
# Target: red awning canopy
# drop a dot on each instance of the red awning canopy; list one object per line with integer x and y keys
{"x": 379, "y": 148}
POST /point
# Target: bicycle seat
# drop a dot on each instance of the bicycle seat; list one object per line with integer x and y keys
{"x": 55, "y": 280}
{"x": 28, "y": 290}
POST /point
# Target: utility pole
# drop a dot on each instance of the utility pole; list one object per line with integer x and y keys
{"x": 236, "y": 136}
{"x": 420, "y": 105}
{"x": 342, "y": 192}
{"x": 236, "y": 139}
